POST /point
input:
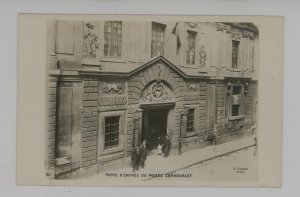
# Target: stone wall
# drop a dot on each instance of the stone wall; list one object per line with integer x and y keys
{"x": 249, "y": 105}
{"x": 51, "y": 126}
{"x": 90, "y": 122}
{"x": 220, "y": 105}
{"x": 203, "y": 109}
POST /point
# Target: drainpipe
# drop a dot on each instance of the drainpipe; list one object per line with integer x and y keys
{"x": 183, "y": 120}
{"x": 180, "y": 135}
{"x": 216, "y": 110}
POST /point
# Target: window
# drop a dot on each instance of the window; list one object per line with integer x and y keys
{"x": 235, "y": 49}
{"x": 111, "y": 133}
{"x": 190, "y": 50}
{"x": 190, "y": 121}
{"x": 112, "y": 38}
{"x": 158, "y": 39}
{"x": 236, "y": 101}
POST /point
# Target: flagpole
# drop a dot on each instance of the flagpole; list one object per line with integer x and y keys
{"x": 172, "y": 32}
{"x": 177, "y": 48}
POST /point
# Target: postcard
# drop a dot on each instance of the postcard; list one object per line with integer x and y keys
{"x": 141, "y": 100}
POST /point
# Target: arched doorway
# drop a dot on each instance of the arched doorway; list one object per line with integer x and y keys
{"x": 157, "y": 101}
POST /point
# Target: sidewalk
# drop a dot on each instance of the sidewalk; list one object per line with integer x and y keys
{"x": 156, "y": 164}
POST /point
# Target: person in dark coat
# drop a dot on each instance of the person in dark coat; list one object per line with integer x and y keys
{"x": 135, "y": 159}
{"x": 166, "y": 146}
{"x": 143, "y": 153}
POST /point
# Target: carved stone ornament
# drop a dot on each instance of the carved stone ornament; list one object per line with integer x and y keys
{"x": 158, "y": 71}
{"x": 223, "y": 27}
{"x": 157, "y": 92}
{"x": 202, "y": 57}
{"x": 112, "y": 88}
{"x": 191, "y": 25}
{"x": 192, "y": 87}
{"x": 236, "y": 35}
{"x": 247, "y": 34}
{"x": 90, "y": 41}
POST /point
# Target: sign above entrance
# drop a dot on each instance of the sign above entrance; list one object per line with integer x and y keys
{"x": 157, "y": 92}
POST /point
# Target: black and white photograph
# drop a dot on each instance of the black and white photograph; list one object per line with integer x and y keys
{"x": 151, "y": 101}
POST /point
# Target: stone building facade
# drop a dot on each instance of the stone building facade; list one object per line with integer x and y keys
{"x": 112, "y": 84}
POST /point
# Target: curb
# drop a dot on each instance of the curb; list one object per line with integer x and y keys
{"x": 204, "y": 160}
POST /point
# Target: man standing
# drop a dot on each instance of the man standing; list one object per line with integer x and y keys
{"x": 135, "y": 159}
{"x": 166, "y": 146}
{"x": 143, "y": 153}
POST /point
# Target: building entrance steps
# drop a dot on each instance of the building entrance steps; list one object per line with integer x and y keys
{"x": 157, "y": 164}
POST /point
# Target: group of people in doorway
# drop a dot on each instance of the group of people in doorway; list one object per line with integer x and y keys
{"x": 164, "y": 146}
{"x": 139, "y": 153}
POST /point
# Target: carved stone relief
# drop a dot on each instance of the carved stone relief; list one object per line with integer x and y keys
{"x": 223, "y": 27}
{"x": 236, "y": 35}
{"x": 248, "y": 34}
{"x": 191, "y": 25}
{"x": 157, "y": 92}
{"x": 192, "y": 87}
{"x": 202, "y": 57}
{"x": 112, "y": 88}
{"x": 90, "y": 41}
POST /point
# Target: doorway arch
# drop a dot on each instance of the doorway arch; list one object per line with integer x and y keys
{"x": 157, "y": 101}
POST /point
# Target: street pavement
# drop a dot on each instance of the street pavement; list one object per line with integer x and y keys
{"x": 237, "y": 166}
{"x": 228, "y": 157}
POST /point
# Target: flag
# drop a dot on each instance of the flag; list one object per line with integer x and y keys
{"x": 175, "y": 32}
{"x": 178, "y": 42}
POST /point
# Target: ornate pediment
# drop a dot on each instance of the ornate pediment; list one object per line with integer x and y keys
{"x": 157, "y": 92}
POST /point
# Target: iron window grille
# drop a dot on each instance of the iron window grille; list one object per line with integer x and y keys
{"x": 236, "y": 97}
{"x": 111, "y": 133}
{"x": 190, "y": 121}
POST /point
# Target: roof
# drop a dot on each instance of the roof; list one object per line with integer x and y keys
{"x": 129, "y": 69}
